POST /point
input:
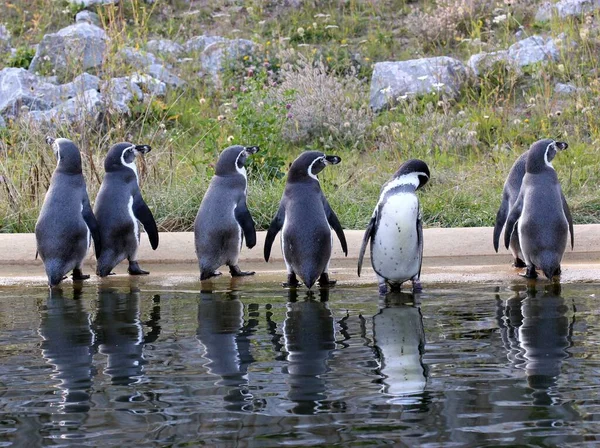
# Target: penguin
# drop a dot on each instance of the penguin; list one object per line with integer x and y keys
{"x": 118, "y": 208}
{"x": 541, "y": 215}
{"x": 396, "y": 229}
{"x": 512, "y": 185}
{"x": 66, "y": 221}
{"x": 223, "y": 219}
{"x": 305, "y": 217}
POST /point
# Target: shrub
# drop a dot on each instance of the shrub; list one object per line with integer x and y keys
{"x": 322, "y": 106}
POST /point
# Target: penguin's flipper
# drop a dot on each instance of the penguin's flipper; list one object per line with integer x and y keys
{"x": 511, "y": 221}
{"x": 274, "y": 229}
{"x": 500, "y": 220}
{"x": 244, "y": 219}
{"x": 567, "y": 212}
{"x": 334, "y": 222}
{"x": 366, "y": 238}
{"x": 420, "y": 243}
{"x": 90, "y": 221}
{"x": 144, "y": 215}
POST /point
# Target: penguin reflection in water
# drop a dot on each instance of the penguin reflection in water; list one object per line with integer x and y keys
{"x": 306, "y": 218}
{"x": 223, "y": 220}
{"x": 66, "y": 221}
{"x": 540, "y": 215}
{"x": 399, "y": 340}
{"x": 119, "y": 206}
{"x": 396, "y": 229}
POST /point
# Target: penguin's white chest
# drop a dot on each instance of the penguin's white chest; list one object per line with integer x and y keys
{"x": 136, "y": 226}
{"x": 395, "y": 248}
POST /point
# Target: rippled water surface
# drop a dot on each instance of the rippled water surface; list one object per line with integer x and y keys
{"x": 262, "y": 366}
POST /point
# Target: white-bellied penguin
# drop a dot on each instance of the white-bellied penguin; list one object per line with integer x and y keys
{"x": 223, "y": 219}
{"x": 119, "y": 209}
{"x": 541, "y": 215}
{"x": 396, "y": 229}
{"x": 306, "y": 220}
{"x": 66, "y": 222}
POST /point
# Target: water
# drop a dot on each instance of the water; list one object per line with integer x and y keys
{"x": 458, "y": 365}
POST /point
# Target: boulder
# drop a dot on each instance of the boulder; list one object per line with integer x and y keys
{"x": 79, "y": 85}
{"x": 216, "y": 56}
{"x": 137, "y": 58}
{"x": 78, "y": 47}
{"x": 19, "y": 87}
{"x": 199, "y": 43}
{"x": 86, "y": 106}
{"x": 528, "y": 51}
{"x": 88, "y": 3}
{"x": 165, "y": 47}
{"x": 566, "y": 8}
{"x": 2, "y": 122}
{"x": 119, "y": 93}
{"x": 162, "y": 74}
{"x": 149, "y": 84}
{"x": 87, "y": 16}
{"x": 565, "y": 89}
{"x": 391, "y": 80}
{"x": 532, "y": 50}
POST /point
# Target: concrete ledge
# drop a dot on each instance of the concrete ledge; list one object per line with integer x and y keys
{"x": 443, "y": 247}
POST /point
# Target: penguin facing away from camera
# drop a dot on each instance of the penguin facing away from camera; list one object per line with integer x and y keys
{"x": 119, "y": 206}
{"x": 510, "y": 192}
{"x": 66, "y": 222}
{"x": 396, "y": 229}
{"x": 306, "y": 219}
{"x": 223, "y": 219}
{"x": 541, "y": 214}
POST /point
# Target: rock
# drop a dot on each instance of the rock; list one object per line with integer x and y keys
{"x": 199, "y": 43}
{"x": 88, "y": 3}
{"x": 87, "y": 16}
{"x": 566, "y": 8}
{"x": 532, "y": 50}
{"x": 137, "y": 58}
{"x": 78, "y": 47}
{"x": 216, "y": 55}
{"x": 159, "y": 72}
{"x": 79, "y": 85}
{"x": 149, "y": 84}
{"x": 4, "y": 40}
{"x": 484, "y": 62}
{"x": 565, "y": 89}
{"x": 119, "y": 93}
{"x": 415, "y": 77}
{"x": 84, "y": 107}
{"x": 19, "y": 88}
{"x": 165, "y": 47}
{"x": 2, "y": 122}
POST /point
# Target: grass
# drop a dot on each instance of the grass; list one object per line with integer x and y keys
{"x": 469, "y": 142}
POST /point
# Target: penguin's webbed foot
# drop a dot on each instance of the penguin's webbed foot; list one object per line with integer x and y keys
{"x": 78, "y": 275}
{"x": 206, "y": 275}
{"x": 292, "y": 281}
{"x": 324, "y": 280}
{"x": 235, "y": 271}
{"x": 530, "y": 272}
{"x": 518, "y": 263}
{"x": 134, "y": 269}
{"x": 416, "y": 285}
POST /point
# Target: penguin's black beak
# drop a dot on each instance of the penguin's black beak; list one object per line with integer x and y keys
{"x": 142, "y": 149}
{"x": 333, "y": 160}
{"x": 50, "y": 140}
{"x": 561, "y": 146}
{"x": 252, "y": 149}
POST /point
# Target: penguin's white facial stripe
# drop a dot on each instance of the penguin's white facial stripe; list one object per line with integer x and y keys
{"x": 551, "y": 146}
{"x": 310, "y": 167}
{"x": 131, "y": 165}
{"x": 242, "y": 169}
{"x": 405, "y": 179}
